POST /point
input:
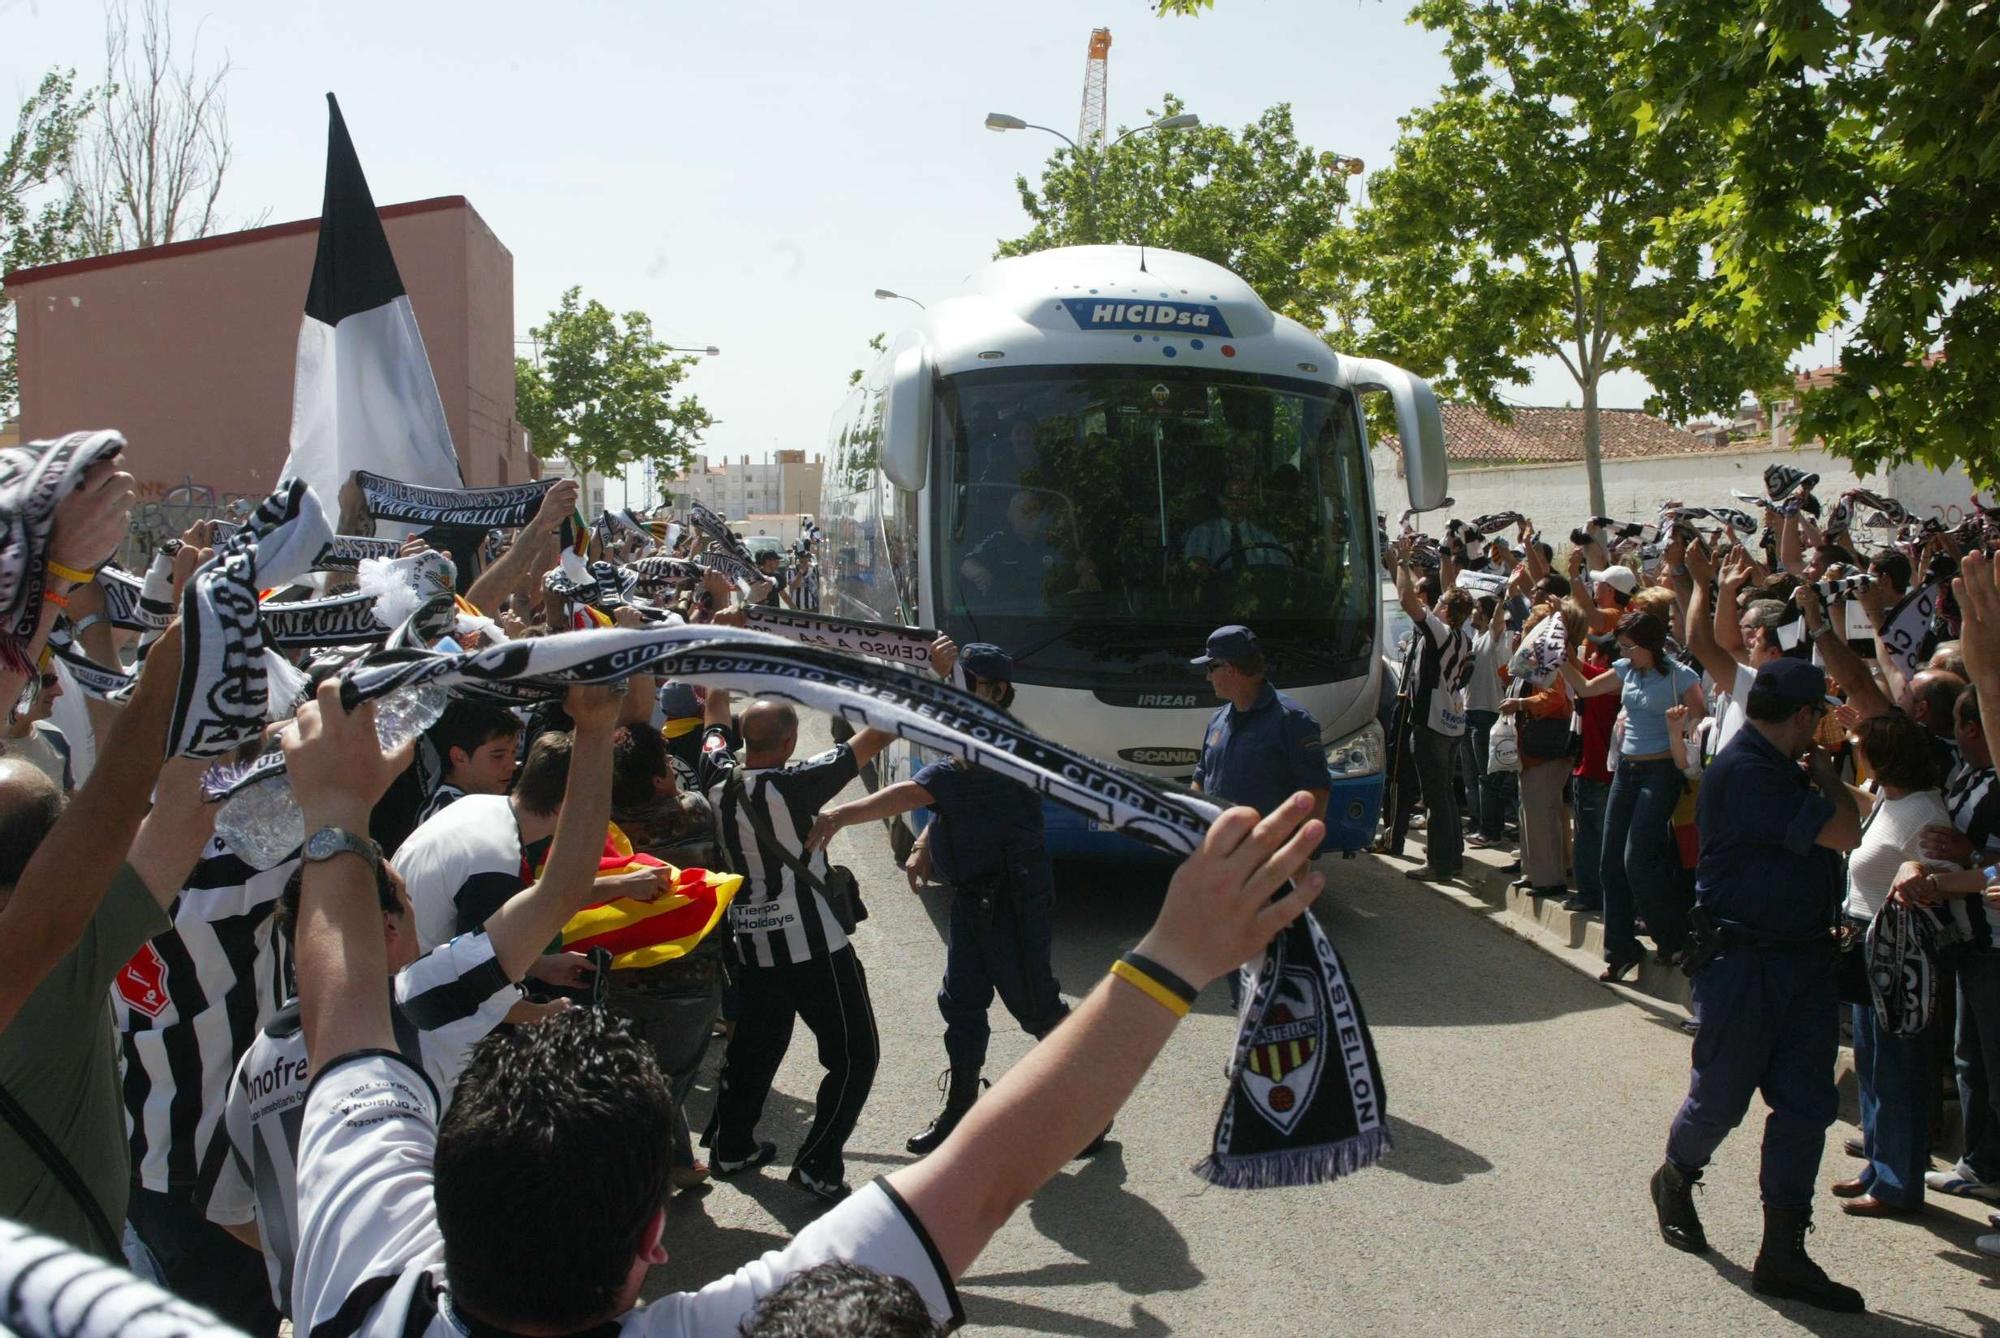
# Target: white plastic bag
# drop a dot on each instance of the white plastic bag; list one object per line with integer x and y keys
{"x": 1503, "y": 748}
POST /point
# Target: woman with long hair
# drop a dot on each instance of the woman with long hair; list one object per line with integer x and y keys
{"x": 1639, "y": 856}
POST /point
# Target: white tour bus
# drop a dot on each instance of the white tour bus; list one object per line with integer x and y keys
{"x": 1092, "y": 457}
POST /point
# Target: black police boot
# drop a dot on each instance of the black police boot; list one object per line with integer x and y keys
{"x": 1673, "y": 1199}
{"x": 961, "y": 1089}
{"x": 1783, "y": 1270}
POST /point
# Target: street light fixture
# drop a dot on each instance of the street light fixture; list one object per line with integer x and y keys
{"x": 711, "y": 350}
{"x": 885, "y": 295}
{"x": 1178, "y": 121}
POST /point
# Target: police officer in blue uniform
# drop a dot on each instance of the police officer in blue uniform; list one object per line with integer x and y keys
{"x": 985, "y": 841}
{"x": 1260, "y": 746}
{"x": 1766, "y": 893}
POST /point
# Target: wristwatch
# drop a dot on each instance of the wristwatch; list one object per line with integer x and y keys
{"x": 327, "y": 842}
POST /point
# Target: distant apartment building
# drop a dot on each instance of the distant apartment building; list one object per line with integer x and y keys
{"x": 591, "y": 498}
{"x": 786, "y": 484}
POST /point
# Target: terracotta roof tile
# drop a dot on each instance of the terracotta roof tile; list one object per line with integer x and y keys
{"x": 1553, "y": 436}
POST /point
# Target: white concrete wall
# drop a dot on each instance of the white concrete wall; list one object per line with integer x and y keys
{"x": 1558, "y": 496}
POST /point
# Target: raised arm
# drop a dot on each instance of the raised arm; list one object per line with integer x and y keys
{"x": 1218, "y": 914}
{"x": 1840, "y": 660}
{"x": 1977, "y": 587}
{"x": 338, "y": 771}
{"x": 888, "y": 802}
{"x": 516, "y": 564}
{"x": 66, "y": 879}
{"x": 1728, "y": 625}
{"x": 1719, "y": 663}
{"x": 171, "y": 838}
{"x": 532, "y": 917}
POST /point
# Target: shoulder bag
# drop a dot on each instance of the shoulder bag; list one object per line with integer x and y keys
{"x": 840, "y": 887}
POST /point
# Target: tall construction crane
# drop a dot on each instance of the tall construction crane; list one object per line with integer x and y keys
{"x": 1090, "y": 125}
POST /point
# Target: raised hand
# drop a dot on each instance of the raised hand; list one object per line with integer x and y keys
{"x": 92, "y": 521}
{"x": 1218, "y": 912}
{"x": 335, "y": 761}
{"x": 1977, "y": 587}
{"x": 594, "y": 707}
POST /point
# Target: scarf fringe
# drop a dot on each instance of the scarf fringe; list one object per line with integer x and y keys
{"x": 1296, "y": 1166}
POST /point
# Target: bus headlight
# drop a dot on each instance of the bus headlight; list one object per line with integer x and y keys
{"x": 1358, "y": 754}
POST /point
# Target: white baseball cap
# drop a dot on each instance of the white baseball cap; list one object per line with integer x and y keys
{"x": 1622, "y": 579}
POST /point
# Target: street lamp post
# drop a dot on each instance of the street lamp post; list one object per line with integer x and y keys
{"x": 886, "y": 295}
{"x": 1093, "y": 162}
{"x": 711, "y": 350}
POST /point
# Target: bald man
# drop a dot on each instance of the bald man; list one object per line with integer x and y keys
{"x": 791, "y": 936}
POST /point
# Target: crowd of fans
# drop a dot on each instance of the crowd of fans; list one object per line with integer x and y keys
{"x": 1573, "y": 703}
{"x": 372, "y": 1086}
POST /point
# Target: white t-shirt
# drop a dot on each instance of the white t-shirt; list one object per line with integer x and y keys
{"x": 1730, "y": 705}
{"x": 446, "y": 1002}
{"x": 368, "y": 1224}
{"x": 1889, "y": 839}
{"x": 461, "y": 866}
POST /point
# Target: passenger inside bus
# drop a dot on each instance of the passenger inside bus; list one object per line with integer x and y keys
{"x": 1234, "y": 541}
{"x": 1018, "y": 564}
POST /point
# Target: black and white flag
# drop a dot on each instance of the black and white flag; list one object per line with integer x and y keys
{"x": 363, "y": 396}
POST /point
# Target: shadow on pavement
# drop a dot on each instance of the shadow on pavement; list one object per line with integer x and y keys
{"x": 1430, "y": 1157}
{"x": 989, "y": 1312}
{"x": 699, "y": 1250}
{"x": 1117, "y": 1236}
{"x": 1824, "y": 1322}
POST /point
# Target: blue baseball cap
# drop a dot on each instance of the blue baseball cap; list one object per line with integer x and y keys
{"x": 1229, "y": 645}
{"x": 984, "y": 660}
{"x": 1797, "y": 682}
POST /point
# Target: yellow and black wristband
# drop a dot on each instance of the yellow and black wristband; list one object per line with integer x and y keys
{"x": 1161, "y": 985}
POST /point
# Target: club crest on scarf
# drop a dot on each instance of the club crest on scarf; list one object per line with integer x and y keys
{"x": 1282, "y": 1073}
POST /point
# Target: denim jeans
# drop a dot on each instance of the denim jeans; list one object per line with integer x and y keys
{"x": 1639, "y": 857}
{"x": 1587, "y": 851}
{"x": 1444, "y": 837}
{"x": 1492, "y": 791}
{"x": 1894, "y": 1074}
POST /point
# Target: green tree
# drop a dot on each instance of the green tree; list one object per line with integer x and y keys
{"x": 875, "y": 345}
{"x": 1259, "y": 203}
{"x": 1518, "y": 217}
{"x": 1859, "y": 148}
{"x": 38, "y": 219}
{"x": 601, "y": 394}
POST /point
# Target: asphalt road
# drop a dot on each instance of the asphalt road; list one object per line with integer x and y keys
{"x": 1528, "y": 1104}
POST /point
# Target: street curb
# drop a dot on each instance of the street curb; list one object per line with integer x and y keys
{"x": 1575, "y": 938}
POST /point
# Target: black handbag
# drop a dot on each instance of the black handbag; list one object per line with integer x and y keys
{"x": 1541, "y": 738}
{"x": 840, "y": 887}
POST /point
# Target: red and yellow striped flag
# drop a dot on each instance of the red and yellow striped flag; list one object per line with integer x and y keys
{"x": 647, "y": 933}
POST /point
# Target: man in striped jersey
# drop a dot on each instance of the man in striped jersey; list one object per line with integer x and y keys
{"x": 444, "y": 1001}
{"x": 188, "y": 1004}
{"x": 797, "y": 961}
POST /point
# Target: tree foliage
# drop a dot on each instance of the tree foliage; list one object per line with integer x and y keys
{"x": 1518, "y": 219}
{"x": 876, "y": 344}
{"x": 1259, "y": 203}
{"x": 150, "y": 166}
{"x": 38, "y": 219}
{"x": 1859, "y": 174}
{"x": 601, "y": 392}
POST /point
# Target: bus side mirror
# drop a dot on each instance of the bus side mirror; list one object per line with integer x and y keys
{"x": 1419, "y": 426}
{"x": 906, "y": 425}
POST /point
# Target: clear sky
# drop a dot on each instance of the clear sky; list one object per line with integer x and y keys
{"x": 749, "y": 173}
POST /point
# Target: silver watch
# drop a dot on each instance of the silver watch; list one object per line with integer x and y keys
{"x": 327, "y": 842}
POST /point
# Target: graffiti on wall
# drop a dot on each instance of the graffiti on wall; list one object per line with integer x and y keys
{"x": 164, "y": 511}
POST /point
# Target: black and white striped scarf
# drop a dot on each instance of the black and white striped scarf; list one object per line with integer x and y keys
{"x": 346, "y": 552}
{"x": 34, "y": 480}
{"x": 856, "y": 636}
{"x": 1317, "y": 1116}
{"x": 225, "y": 655}
{"x": 463, "y": 508}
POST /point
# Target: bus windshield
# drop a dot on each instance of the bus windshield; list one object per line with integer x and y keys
{"x": 1100, "y": 521}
